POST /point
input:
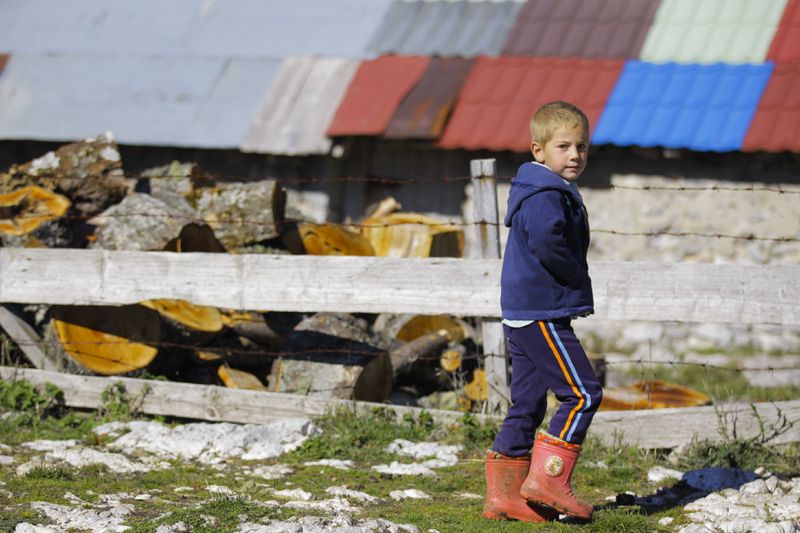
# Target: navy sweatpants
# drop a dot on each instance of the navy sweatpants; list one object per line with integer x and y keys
{"x": 547, "y": 355}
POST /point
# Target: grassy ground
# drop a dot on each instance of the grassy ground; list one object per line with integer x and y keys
{"x": 602, "y": 474}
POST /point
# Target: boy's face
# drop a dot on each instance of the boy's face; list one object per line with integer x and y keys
{"x": 566, "y": 153}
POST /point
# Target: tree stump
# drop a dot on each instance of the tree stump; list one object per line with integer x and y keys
{"x": 413, "y": 235}
{"x": 29, "y": 217}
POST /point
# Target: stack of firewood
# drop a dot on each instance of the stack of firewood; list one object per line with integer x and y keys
{"x": 80, "y": 197}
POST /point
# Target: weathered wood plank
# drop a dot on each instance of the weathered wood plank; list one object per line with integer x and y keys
{"x": 204, "y": 402}
{"x": 677, "y": 427}
{"x": 657, "y": 428}
{"x": 683, "y": 292}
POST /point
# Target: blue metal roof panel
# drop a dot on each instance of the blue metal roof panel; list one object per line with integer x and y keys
{"x": 445, "y": 27}
{"x": 141, "y": 100}
{"x": 700, "y": 107}
{"x": 208, "y": 28}
{"x": 225, "y": 114}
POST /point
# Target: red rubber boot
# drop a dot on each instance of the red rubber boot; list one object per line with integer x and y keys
{"x": 504, "y": 476}
{"x": 549, "y": 481}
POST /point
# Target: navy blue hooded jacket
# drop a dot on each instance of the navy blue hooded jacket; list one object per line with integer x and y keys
{"x": 545, "y": 274}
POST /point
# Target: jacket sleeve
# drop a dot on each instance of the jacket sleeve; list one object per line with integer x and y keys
{"x": 545, "y": 221}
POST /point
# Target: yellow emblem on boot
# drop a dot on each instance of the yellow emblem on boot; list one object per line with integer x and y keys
{"x": 554, "y": 466}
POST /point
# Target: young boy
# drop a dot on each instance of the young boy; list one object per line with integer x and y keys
{"x": 544, "y": 285}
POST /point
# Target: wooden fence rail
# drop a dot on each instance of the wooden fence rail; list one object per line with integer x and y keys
{"x": 683, "y": 292}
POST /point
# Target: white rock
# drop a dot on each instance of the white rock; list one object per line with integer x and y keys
{"x": 414, "y": 494}
{"x": 272, "y": 471}
{"x": 446, "y": 455}
{"x": 339, "y": 464}
{"x": 403, "y": 469}
{"x": 295, "y": 494}
{"x": 468, "y": 496}
{"x": 658, "y": 474}
{"x": 343, "y": 492}
{"x": 25, "y": 527}
{"x": 50, "y": 445}
{"x": 709, "y": 479}
{"x": 667, "y": 520}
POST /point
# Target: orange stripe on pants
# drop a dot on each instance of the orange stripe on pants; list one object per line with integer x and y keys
{"x": 569, "y": 379}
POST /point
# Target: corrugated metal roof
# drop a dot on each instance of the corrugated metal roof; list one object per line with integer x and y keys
{"x": 786, "y": 43}
{"x": 500, "y": 95}
{"x": 424, "y": 112}
{"x": 299, "y": 106}
{"x": 445, "y": 27}
{"x": 155, "y": 101}
{"x": 375, "y": 93}
{"x": 607, "y": 29}
{"x": 729, "y": 31}
{"x": 3, "y": 61}
{"x": 776, "y": 124}
{"x": 223, "y": 117}
{"x": 207, "y": 28}
{"x": 701, "y": 107}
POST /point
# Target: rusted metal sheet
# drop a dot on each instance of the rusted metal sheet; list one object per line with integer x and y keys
{"x": 776, "y": 124}
{"x": 501, "y": 94}
{"x": 425, "y": 110}
{"x": 3, "y": 61}
{"x": 299, "y": 106}
{"x": 377, "y": 89}
{"x": 603, "y": 29}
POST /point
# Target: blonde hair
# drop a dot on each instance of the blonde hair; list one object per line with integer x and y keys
{"x": 554, "y": 115}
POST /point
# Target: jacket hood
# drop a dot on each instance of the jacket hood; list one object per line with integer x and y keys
{"x": 532, "y": 178}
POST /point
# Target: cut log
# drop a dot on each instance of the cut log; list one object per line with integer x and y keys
{"x": 181, "y": 178}
{"x": 413, "y": 235}
{"x": 29, "y": 218}
{"x": 243, "y": 213}
{"x": 409, "y": 327}
{"x": 251, "y": 325}
{"x": 238, "y": 379}
{"x": 143, "y": 222}
{"x": 654, "y": 394}
{"x": 331, "y": 239}
{"x": 477, "y": 390}
{"x": 88, "y": 172}
{"x": 186, "y": 323}
{"x": 334, "y": 356}
{"x": 426, "y": 349}
{"x": 108, "y": 340}
{"x": 452, "y": 357}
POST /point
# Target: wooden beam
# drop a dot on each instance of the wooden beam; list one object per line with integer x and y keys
{"x": 487, "y": 220}
{"x": 27, "y": 339}
{"x": 650, "y": 429}
{"x": 683, "y": 292}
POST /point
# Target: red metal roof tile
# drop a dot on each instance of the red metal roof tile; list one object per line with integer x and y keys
{"x": 3, "y": 60}
{"x": 776, "y": 124}
{"x": 608, "y": 29}
{"x": 786, "y": 43}
{"x": 375, "y": 93}
{"x": 424, "y": 112}
{"x": 495, "y": 105}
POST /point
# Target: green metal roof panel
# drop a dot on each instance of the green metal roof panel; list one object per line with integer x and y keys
{"x": 711, "y": 31}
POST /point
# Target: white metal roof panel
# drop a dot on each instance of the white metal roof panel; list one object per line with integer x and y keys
{"x": 711, "y": 31}
{"x": 299, "y": 106}
{"x": 225, "y": 114}
{"x": 208, "y": 28}
{"x": 141, "y": 100}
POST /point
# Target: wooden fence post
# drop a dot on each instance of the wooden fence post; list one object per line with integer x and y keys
{"x": 484, "y": 197}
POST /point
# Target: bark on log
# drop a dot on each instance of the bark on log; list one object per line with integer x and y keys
{"x": 243, "y": 213}
{"x": 251, "y": 325}
{"x": 409, "y": 327}
{"x": 182, "y": 178}
{"x": 144, "y": 222}
{"x": 425, "y": 350}
{"x": 107, "y": 340}
{"x": 334, "y": 356}
{"x": 88, "y": 172}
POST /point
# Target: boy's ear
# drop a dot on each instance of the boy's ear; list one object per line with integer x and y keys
{"x": 538, "y": 153}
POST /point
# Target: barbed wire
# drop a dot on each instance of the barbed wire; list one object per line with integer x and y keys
{"x": 356, "y": 352}
{"x": 254, "y": 222}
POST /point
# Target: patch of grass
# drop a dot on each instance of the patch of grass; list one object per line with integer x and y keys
{"x": 57, "y": 472}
